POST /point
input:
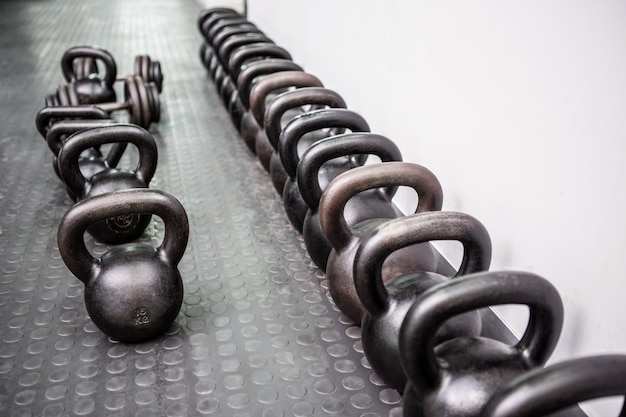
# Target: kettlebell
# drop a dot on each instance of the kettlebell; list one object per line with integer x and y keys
{"x": 91, "y": 161}
{"x": 251, "y": 73}
{"x": 457, "y": 377}
{"x": 297, "y": 136}
{"x": 229, "y": 45}
{"x": 323, "y": 161}
{"x": 356, "y": 193}
{"x": 91, "y": 89}
{"x": 48, "y": 116}
{"x": 283, "y": 108}
{"x": 265, "y": 90}
{"x": 210, "y": 15}
{"x": 120, "y": 229}
{"x": 134, "y": 291}
{"x": 543, "y": 391}
{"x": 386, "y": 304}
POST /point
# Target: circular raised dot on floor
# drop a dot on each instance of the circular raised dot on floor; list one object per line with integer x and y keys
{"x": 56, "y": 392}
{"x": 261, "y": 377}
{"x": 33, "y": 363}
{"x": 267, "y": 396}
{"x": 390, "y": 396}
{"x": 365, "y": 363}
{"x": 201, "y": 339}
{"x": 330, "y": 336}
{"x": 361, "y": 401}
{"x": 173, "y": 358}
{"x": 345, "y": 366}
{"x": 25, "y": 397}
{"x": 196, "y": 325}
{"x": 289, "y": 374}
{"x": 69, "y": 316}
{"x": 172, "y": 343}
{"x": 17, "y": 322}
{"x": 249, "y": 331}
{"x": 66, "y": 330}
{"x": 224, "y": 335}
{"x": 9, "y": 351}
{"x": 117, "y": 351}
{"x": 59, "y": 375}
{"x": 29, "y": 379}
{"x": 312, "y": 298}
{"x": 257, "y": 361}
{"x": 234, "y": 382}
{"x": 227, "y": 349}
{"x": 317, "y": 369}
{"x": 116, "y": 383}
{"x": 253, "y": 345}
{"x": 84, "y": 407}
{"x": 294, "y": 312}
{"x": 200, "y": 353}
{"x": 245, "y": 318}
{"x": 117, "y": 366}
{"x": 86, "y": 388}
{"x": 115, "y": 402}
{"x": 325, "y": 386}
{"x": 60, "y": 359}
{"x": 202, "y": 369}
{"x": 267, "y": 303}
{"x": 52, "y": 410}
{"x": 145, "y": 397}
{"x": 358, "y": 346}
{"x": 302, "y": 409}
{"x": 289, "y": 300}
{"x": 205, "y": 387}
{"x": 89, "y": 355}
{"x": 353, "y": 383}
{"x": 337, "y": 350}
{"x": 6, "y": 366}
{"x": 230, "y": 365}
{"x": 144, "y": 348}
{"x": 87, "y": 371}
{"x": 284, "y": 357}
{"x": 176, "y": 392}
{"x": 13, "y": 336}
{"x": 296, "y": 392}
{"x": 145, "y": 379}
{"x": 238, "y": 401}
{"x": 305, "y": 339}
{"x": 311, "y": 353}
{"x": 324, "y": 322}
{"x": 208, "y": 406}
{"x": 177, "y": 410}
{"x": 241, "y": 304}
{"x": 274, "y": 328}
{"x": 145, "y": 362}
{"x": 174, "y": 374}
{"x": 333, "y": 406}
{"x": 353, "y": 332}
{"x": 221, "y": 321}
{"x": 279, "y": 342}
{"x": 377, "y": 380}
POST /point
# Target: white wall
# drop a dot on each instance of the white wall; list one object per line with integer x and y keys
{"x": 518, "y": 107}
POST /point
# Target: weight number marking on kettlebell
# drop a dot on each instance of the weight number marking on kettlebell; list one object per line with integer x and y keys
{"x": 141, "y": 316}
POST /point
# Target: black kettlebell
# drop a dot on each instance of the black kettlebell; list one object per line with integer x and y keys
{"x": 458, "y": 377}
{"x": 265, "y": 90}
{"x": 298, "y": 135}
{"x": 92, "y": 160}
{"x": 134, "y": 291}
{"x": 323, "y": 161}
{"x": 387, "y": 303}
{"x": 91, "y": 89}
{"x": 281, "y": 110}
{"x": 208, "y": 16}
{"x": 48, "y": 116}
{"x": 250, "y": 74}
{"x": 358, "y": 193}
{"x": 544, "y": 391}
{"x": 119, "y": 229}
{"x": 223, "y": 52}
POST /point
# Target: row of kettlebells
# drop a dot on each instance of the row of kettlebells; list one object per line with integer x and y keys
{"x": 134, "y": 291}
{"x": 420, "y": 329}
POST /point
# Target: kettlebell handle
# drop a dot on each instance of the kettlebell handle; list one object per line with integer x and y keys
{"x": 115, "y": 133}
{"x": 284, "y": 79}
{"x": 292, "y": 99}
{"x": 86, "y": 51}
{"x": 249, "y": 72}
{"x": 473, "y": 292}
{"x": 337, "y": 146}
{"x": 254, "y": 52}
{"x": 69, "y": 127}
{"x": 309, "y": 122}
{"x": 48, "y": 115}
{"x": 387, "y": 174}
{"x": 547, "y": 390}
{"x": 405, "y": 231}
{"x": 119, "y": 203}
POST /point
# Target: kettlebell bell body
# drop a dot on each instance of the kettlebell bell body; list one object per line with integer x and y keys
{"x": 91, "y": 89}
{"x": 458, "y": 376}
{"x": 386, "y": 304}
{"x": 281, "y": 110}
{"x": 319, "y": 165}
{"x": 119, "y": 229}
{"x": 133, "y": 292}
{"x": 264, "y": 91}
{"x": 358, "y": 192}
{"x": 293, "y": 137}
{"x": 544, "y": 391}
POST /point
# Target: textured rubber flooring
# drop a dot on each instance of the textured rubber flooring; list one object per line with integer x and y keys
{"x": 256, "y": 335}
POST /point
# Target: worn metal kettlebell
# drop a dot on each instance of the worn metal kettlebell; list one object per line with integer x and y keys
{"x": 358, "y": 193}
{"x": 281, "y": 110}
{"x": 386, "y": 304}
{"x": 252, "y": 73}
{"x": 297, "y": 136}
{"x": 543, "y": 391}
{"x": 48, "y": 116}
{"x": 457, "y": 377}
{"x": 92, "y": 160}
{"x": 222, "y": 53}
{"x": 264, "y": 91}
{"x": 119, "y": 229}
{"x": 91, "y": 89}
{"x": 323, "y": 161}
{"x": 133, "y": 292}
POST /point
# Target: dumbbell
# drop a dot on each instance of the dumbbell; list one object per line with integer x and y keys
{"x": 141, "y": 100}
{"x": 79, "y": 66}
